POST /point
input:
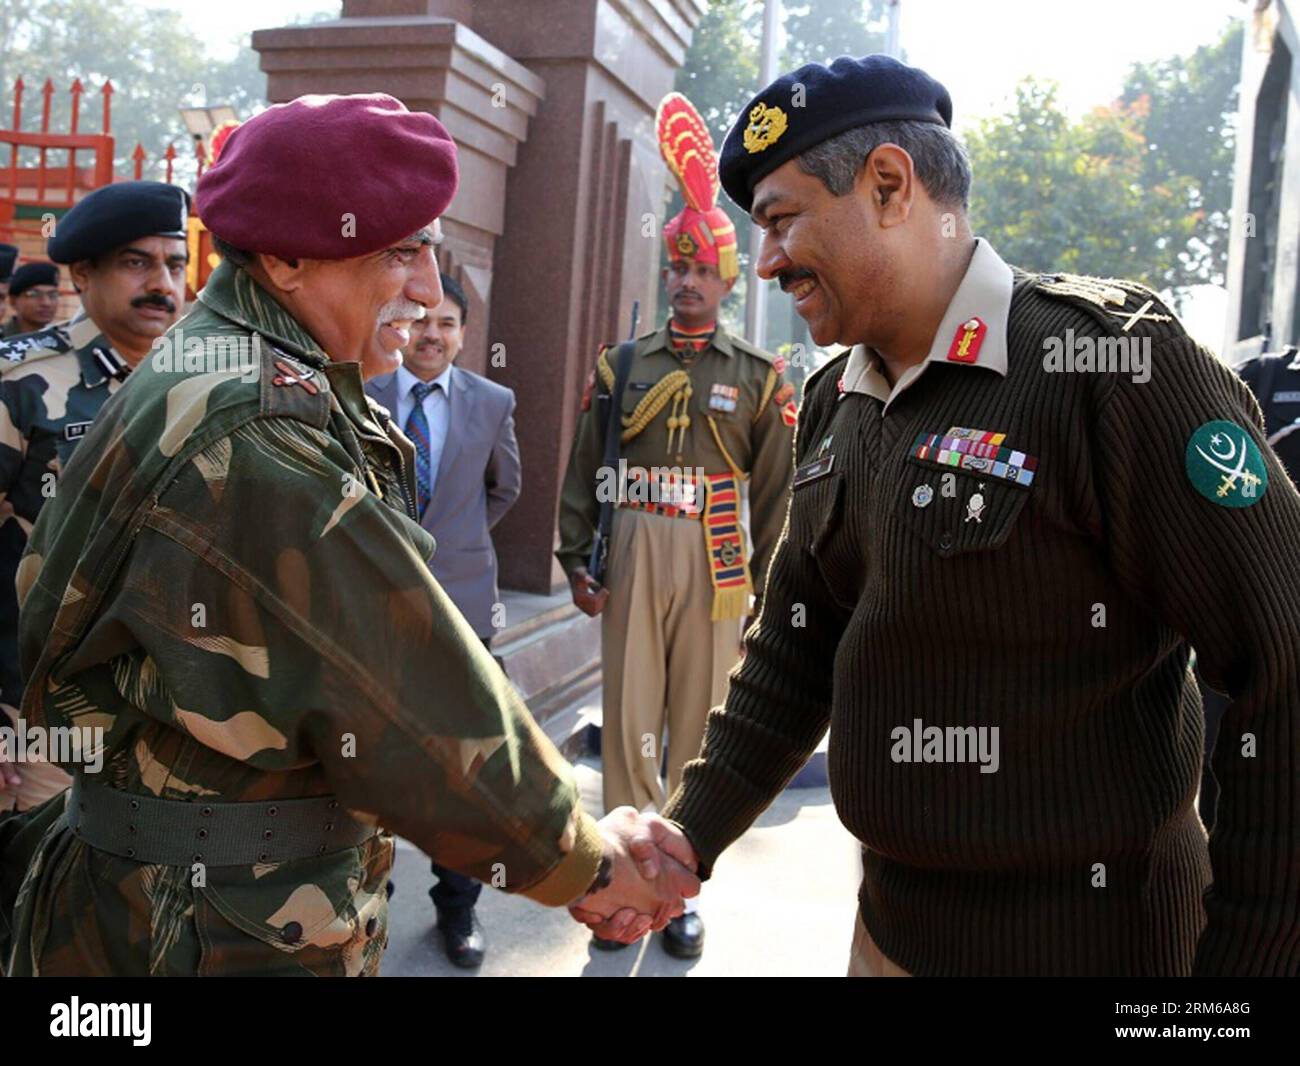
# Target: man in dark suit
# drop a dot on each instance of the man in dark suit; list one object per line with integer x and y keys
{"x": 467, "y": 477}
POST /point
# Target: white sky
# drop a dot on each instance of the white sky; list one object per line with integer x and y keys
{"x": 978, "y": 48}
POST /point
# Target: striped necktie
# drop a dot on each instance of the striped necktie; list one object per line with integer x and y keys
{"x": 417, "y": 428}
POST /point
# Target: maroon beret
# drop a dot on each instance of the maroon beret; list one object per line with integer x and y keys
{"x": 329, "y": 177}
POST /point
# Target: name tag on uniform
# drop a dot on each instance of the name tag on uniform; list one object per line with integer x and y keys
{"x": 812, "y": 471}
{"x": 640, "y": 386}
{"x": 1286, "y": 397}
{"x": 75, "y": 430}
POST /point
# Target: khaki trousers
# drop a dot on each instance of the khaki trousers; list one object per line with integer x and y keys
{"x": 664, "y": 661}
{"x": 867, "y": 960}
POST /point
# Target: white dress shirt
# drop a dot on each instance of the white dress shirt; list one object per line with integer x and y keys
{"x": 437, "y": 409}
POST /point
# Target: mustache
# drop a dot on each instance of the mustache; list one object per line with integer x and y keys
{"x": 790, "y": 278}
{"x": 155, "y": 299}
{"x": 401, "y": 308}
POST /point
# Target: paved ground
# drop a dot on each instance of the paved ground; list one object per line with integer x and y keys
{"x": 781, "y": 902}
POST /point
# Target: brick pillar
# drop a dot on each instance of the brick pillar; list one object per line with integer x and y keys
{"x": 584, "y": 207}
{"x": 423, "y": 53}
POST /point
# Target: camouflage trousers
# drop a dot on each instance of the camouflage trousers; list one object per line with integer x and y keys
{"x": 75, "y": 911}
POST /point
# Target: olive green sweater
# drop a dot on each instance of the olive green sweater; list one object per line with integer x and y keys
{"x": 1061, "y": 614}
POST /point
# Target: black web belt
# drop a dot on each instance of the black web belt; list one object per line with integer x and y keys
{"x": 180, "y": 833}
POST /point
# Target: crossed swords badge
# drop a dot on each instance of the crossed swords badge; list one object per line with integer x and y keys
{"x": 1225, "y": 466}
{"x": 1219, "y": 456}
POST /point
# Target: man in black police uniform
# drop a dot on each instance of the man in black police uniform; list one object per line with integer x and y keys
{"x": 34, "y": 298}
{"x": 1017, "y": 500}
{"x": 125, "y": 248}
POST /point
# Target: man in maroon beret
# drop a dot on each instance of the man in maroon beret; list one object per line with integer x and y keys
{"x": 277, "y": 678}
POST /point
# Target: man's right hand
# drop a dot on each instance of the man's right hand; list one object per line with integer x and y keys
{"x": 653, "y": 869}
{"x": 588, "y": 596}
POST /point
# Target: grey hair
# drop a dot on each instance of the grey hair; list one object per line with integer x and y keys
{"x": 237, "y": 256}
{"x": 938, "y": 157}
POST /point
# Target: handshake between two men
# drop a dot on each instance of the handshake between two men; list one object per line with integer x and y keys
{"x": 650, "y": 870}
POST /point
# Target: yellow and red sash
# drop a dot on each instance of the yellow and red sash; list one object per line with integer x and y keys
{"x": 679, "y": 495}
{"x": 728, "y": 567}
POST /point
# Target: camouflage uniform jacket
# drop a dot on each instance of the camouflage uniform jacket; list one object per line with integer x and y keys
{"x": 739, "y": 417}
{"x": 231, "y": 583}
{"x": 52, "y": 384}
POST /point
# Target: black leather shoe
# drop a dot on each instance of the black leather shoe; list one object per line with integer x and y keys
{"x": 462, "y": 938}
{"x": 601, "y": 944}
{"x": 684, "y": 937}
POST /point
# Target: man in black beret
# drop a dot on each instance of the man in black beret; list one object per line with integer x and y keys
{"x": 34, "y": 297}
{"x": 125, "y": 249}
{"x": 8, "y": 257}
{"x": 1017, "y": 500}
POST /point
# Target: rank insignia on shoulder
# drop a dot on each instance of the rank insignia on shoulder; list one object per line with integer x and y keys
{"x": 790, "y": 413}
{"x": 1100, "y": 291}
{"x": 723, "y": 397}
{"x": 1141, "y": 314}
{"x": 290, "y": 375}
{"x": 783, "y": 395}
{"x": 965, "y": 347}
{"x": 16, "y": 349}
{"x": 1225, "y": 466}
{"x": 978, "y": 451}
{"x": 819, "y": 467}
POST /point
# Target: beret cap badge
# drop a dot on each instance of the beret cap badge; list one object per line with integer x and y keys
{"x": 766, "y": 126}
{"x": 685, "y": 245}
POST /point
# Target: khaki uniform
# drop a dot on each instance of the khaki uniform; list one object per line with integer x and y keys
{"x": 679, "y": 574}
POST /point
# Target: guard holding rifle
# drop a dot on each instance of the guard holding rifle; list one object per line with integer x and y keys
{"x": 650, "y": 519}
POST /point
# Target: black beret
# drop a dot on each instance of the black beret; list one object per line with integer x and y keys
{"x": 29, "y": 275}
{"x": 114, "y": 215}
{"x": 816, "y": 103}
{"x": 8, "y": 257}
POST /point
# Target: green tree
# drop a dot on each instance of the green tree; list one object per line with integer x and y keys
{"x": 155, "y": 62}
{"x": 1140, "y": 188}
{"x": 1189, "y": 120}
{"x": 1053, "y": 194}
{"x": 818, "y": 31}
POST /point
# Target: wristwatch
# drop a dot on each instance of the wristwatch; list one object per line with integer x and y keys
{"x": 604, "y": 875}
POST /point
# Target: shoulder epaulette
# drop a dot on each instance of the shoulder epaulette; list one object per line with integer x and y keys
{"x": 603, "y": 368}
{"x": 742, "y": 345}
{"x": 1117, "y": 304}
{"x": 52, "y": 339}
{"x": 293, "y": 389}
